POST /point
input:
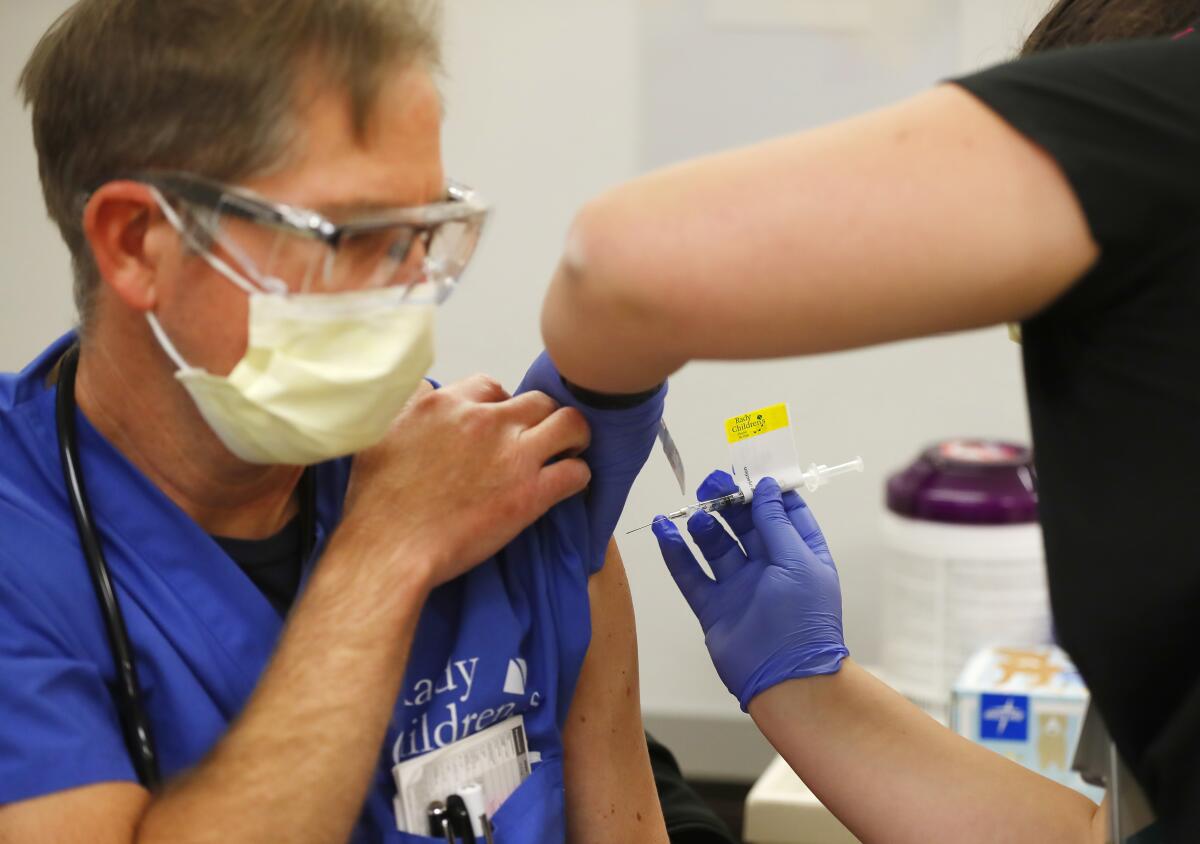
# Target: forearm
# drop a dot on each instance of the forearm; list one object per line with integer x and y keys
{"x": 297, "y": 763}
{"x": 890, "y": 773}
{"x": 930, "y": 216}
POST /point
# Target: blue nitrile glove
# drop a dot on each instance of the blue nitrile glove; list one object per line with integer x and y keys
{"x": 774, "y": 611}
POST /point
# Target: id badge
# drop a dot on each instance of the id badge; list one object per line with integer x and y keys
{"x": 498, "y": 759}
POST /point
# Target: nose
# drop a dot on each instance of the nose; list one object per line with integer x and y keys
{"x": 412, "y": 269}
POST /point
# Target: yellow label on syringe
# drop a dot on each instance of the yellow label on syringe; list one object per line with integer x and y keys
{"x": 756, "y": 423}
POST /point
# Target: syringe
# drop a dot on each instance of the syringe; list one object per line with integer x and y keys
{"x": 812, "y": 478}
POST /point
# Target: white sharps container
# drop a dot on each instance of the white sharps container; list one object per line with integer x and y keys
{"x": 966, "y": 567}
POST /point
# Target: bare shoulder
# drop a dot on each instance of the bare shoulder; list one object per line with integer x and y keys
{"x": 608, "y": 685}
{"x": 609, "y": 587}
{"x": 614, "y": 632}
{"x": 610, "y": 786}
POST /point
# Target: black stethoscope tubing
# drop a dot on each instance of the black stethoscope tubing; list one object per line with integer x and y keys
{"x": 135, "y": 722}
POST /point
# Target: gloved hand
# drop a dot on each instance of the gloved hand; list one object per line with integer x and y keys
{"x": 774, "y": 611}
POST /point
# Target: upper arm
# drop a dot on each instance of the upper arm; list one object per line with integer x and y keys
{"x": 949, "y": 211}
{"x": 609, "y": 783}
{"x": 930, "y": 216}
{"x": 1100, "y": 824}
{"x": 107, "y": 813}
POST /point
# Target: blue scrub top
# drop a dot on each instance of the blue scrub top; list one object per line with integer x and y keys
{"x": 203, "y": 632}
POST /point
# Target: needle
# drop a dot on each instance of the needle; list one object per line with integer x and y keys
{"x": 710, "y": 506}
{"x": 643, "y": 527}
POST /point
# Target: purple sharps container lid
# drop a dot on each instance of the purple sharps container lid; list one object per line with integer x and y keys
{"x": 967, "y": 482}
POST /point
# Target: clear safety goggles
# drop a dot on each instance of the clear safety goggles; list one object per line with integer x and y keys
{"x": 281, "y": 248}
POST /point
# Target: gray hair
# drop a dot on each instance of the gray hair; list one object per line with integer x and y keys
{"x": 205, "y": 86}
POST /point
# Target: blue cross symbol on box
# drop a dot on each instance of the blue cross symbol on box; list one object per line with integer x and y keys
{"x": 1004, "y": 717}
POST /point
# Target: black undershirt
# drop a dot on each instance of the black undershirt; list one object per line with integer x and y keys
{"x": 273, "y": 564}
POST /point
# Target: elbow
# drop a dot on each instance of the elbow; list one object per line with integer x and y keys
{"x": 591, "y": 299}
{"x": 593, "y": 270}
{"x": 603, "y": 322}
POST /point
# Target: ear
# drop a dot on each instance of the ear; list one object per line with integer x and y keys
{"x": 123, "y": 225}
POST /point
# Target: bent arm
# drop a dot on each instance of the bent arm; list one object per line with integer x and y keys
{"x": 891, "y": 773}
{"x": 609, "y": 782}
{"x": 334, "y": 681}
{"x": 317, "y": 718}
{"x": 296, "y": 764}
{"x": 930, "y": 216}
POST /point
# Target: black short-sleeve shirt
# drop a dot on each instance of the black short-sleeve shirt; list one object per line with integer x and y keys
{"x": 1113, "y": 378}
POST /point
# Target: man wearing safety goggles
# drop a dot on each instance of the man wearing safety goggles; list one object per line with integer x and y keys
{"x": 340, "y": 314}
{"x": 251, "y": 563}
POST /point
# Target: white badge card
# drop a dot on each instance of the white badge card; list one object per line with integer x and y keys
{"x": 498, "y": 759}
{"x": 761, "y": 445}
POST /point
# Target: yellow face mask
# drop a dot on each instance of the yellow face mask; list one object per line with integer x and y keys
{"x": 324, "y": 375}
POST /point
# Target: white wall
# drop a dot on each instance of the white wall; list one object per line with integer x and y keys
{"x": 35, "y": 287}
{"x": 549, "y": 101}
{"x": 712, "y": 80}
{"x": 993, "y": 30}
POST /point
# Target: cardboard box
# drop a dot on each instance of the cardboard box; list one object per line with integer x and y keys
{"x": 1027, "y": 704}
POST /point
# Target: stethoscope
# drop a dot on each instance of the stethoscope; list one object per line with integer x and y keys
{"x": 131, "y": 709}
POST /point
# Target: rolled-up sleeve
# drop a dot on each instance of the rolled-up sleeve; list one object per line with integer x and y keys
{"x": 622, "y": 440}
